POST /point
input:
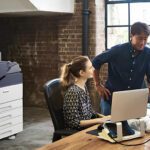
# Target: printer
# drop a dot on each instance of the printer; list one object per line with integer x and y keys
{"x": 11, "y": 99}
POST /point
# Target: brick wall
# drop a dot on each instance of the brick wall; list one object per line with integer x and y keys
{"x": 70, "y": 40}
{"x": 42, "y": 44}
{"x": 32, "y": 42}
{"x": 70, "y": 33}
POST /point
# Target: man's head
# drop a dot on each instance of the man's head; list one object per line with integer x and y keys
{"x": 139, "y": 35}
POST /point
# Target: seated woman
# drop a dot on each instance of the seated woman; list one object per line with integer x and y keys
{"x": 77, "y": 108}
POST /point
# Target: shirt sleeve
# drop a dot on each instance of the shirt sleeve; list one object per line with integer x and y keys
{"x": 71, "y": 113}
{"x": 105, "y": 57}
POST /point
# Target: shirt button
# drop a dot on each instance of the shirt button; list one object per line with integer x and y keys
{"x": 128, "y": 87}
{"x": 131, "y": 70}
{"x": 132, "y": 56}
{"x": 130, "y": 79}
{"x": 133, "y": 62}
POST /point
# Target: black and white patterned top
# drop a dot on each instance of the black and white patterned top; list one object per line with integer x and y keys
{"x": 77, "y": 106}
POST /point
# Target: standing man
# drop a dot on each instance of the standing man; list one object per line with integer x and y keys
{"x": 128, "y": 63}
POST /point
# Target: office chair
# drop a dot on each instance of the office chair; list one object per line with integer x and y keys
{"x": 54, "y": 99}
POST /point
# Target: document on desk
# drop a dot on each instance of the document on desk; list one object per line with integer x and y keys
{"x": 103, "y": 135}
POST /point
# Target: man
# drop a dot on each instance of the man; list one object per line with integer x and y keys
{"x": 128, "y": 63}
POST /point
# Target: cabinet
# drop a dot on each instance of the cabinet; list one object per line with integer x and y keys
{"x": 11, "y": 110}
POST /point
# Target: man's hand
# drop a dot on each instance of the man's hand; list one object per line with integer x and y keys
{"x": 103, "y": 92}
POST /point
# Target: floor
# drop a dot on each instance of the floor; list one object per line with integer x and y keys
{"x": 38, "y": 130}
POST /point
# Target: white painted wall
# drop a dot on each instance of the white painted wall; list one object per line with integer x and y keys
{"x": 66, "y": 6}
{"x": 54, "y": 5}
{"x": 100, "y": 26}
{"x": 16, "y": 6}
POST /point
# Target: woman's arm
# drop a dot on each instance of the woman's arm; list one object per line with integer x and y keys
{"x": 84, "y": 123}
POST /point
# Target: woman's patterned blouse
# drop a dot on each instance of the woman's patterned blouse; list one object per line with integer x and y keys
{"x": 77, "y": 106}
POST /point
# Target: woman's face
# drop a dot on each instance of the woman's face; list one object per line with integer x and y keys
{"x": 88, "y": 73}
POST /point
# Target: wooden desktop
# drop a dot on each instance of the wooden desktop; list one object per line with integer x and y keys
{"x": 84, "y": 141}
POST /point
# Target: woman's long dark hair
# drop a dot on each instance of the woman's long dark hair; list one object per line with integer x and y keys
{"x": 71, "y": 70}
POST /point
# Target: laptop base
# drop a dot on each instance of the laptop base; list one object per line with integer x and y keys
{"x": 105, "y": 133}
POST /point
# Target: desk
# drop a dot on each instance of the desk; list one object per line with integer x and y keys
{"x": 84, "y": 141}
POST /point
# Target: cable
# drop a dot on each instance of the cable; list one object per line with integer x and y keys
{"x": 128, "y": 144}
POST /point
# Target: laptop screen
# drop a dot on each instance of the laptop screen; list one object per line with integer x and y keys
{"x": 130, "y": 104}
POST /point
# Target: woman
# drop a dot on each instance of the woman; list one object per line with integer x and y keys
{"x": 77, "y": 108}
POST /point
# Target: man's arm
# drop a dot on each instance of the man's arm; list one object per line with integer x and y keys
{"x": 97, "y": 62}
{"x": 104, "y": 92}
{"x": 96, "y": 77}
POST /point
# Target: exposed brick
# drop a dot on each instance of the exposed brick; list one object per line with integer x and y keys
{"x": 41, "y": 45}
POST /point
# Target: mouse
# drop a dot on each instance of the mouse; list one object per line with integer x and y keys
{"x": 100, "y": 128}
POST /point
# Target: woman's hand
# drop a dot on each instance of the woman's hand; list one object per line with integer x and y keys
{"x": 104, "y": 119}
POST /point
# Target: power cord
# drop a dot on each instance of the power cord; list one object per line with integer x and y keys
{"x": 128, "y": 144}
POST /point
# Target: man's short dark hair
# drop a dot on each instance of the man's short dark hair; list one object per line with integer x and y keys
{"x": 140, "y": 27}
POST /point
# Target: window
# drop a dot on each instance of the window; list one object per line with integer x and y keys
{"x": 120, "y": 15}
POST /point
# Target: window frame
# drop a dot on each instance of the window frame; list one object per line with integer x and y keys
{"x": 128, "y": 25}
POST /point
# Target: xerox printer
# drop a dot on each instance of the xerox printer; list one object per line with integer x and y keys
{"x": 10, "y": 73}
{"x": 11, "y": 99}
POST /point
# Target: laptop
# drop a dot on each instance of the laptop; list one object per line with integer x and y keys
{"x": 129, "y": 104}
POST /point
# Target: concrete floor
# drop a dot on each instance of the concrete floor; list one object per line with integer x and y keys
{"x": 38, "y": 130}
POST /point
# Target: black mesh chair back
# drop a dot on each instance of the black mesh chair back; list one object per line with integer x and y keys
{"x": 54, "y": 99}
